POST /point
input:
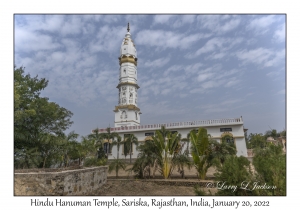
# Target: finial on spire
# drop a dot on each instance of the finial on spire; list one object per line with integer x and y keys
{"x": 128, "y": 29}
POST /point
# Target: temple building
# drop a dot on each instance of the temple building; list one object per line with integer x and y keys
{"x": 128, "y": 114}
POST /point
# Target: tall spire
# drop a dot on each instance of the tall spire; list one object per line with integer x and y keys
{"x": 127, "y": 112}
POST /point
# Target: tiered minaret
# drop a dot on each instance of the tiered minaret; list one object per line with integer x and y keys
{"x": 127, "y": 113}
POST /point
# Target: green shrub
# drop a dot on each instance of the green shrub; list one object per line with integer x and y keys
{"x": 233, "y": 173}
{"x": 93, "y": 161}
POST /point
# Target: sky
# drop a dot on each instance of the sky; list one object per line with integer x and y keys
{"x": 190, "y": 67}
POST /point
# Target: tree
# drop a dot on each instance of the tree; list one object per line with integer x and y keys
{"x": 87, "y": 148}
{"x": 188, "y": 140}
{"x": 145, "y": 159}
{"x": 129, "y": 140}
{"x": 98, "y": 140}
{"x": 234, "y": 172}
{"x": 35, "y": 118}
{"x": 104, "y": 140}
{"x": 116, "y": 164}
{"x": 201, "y": 151}
{"x": 272, "y": 133}
{"x": 69, "y": 148}
{"x": 257, "y": 141}
{"x": 270, "y": 167}
{"x": 221, "y": 151}
{"x": 166, "y": 145}
{"x": 181, "y": 160}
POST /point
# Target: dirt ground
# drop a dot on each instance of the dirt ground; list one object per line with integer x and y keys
{"x": 128, "y": 185}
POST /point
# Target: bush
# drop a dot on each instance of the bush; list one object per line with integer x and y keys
{"x": 201, "y": 192}
{"x": 233, "y": 173}
{"x": 93, "y": 161}
{"x": 270, "y": 165}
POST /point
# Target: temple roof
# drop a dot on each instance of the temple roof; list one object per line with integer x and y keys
{"x": 128, "y": 46}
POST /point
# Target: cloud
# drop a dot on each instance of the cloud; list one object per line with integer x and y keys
{"x": 232, "y": 81}
{"x": 28, "y": 41}
{"x": 219, "y": 24}
{"x": 211, "y": 45}
{"x": 193, "y": 68}
{"x": 173, "y": 68}
{"x": 162, "y": 19}
{"x": 262, "y": 22}
{"x": 279, "y": 34}
{"x": 167, "y": 39}
{"x": 216, "y": 56}
{"x": 174, "y": 21}
{"x": 230, "y": 25}
{"x": 281, "y": 91}
{"x": 219, "y": 46}
{"x": 162, "y": 108}
{"x": 184, "y": 20}
{"x": 160, "y": 62}
{"x": 261, "y": 25}
{"x": 262, "y": 56}
{"x": 214, "y": 77}
{"x": 105, "y": 40}
{"x": 279, "y": 57}
{"x": 205, "y": 76}
{"x": 231, "y": 101}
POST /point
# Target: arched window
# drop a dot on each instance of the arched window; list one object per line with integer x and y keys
{"x": 136, "y": 116}
{"x": 228, "y": 138}
{"x": 123, "y": 115}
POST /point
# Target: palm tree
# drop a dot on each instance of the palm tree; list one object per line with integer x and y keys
{"x": 98, "y": 140}
{"x": 166, "y": 145}
{"x": 118, "y": 143}
{"x": 49, "y": 146}
{"x": 116, "y": 164}
{"x": 68, "y": 146}
{"x": 145, "y": 159}
{"x": 182, "y": 160}
{"x": 272, "y": 133}
{"x": 221, "y": 151}
{"x": 107, "y": 139}
{"x": 131, "y": 139}
{"x": 188, "y": 140}
{"x": 201, "y": 151}
{"x": 87, "y": 148}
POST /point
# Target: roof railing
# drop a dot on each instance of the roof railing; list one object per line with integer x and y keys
{"x": 176, "y": 125}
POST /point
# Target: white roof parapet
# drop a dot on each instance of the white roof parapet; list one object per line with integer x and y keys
{"x": 231, "y": 121}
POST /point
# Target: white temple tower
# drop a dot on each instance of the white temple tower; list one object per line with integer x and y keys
{"x": 127, "y": 112}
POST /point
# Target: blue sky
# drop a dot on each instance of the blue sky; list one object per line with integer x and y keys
{"x": 190, "y": 67}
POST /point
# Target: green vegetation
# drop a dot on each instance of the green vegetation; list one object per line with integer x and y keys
{"x": 129, "y": 141}
{"x": 94, "y": 161}
{"x": 166, "y": 145}
{"x": 233, "y": 172}
{"x": 117, "y": 164}
{"x": 39, "y": 125}
{"x": 270, "y": 165}
{"x": 145, "y": 159}
{"x": 201, "y": 151}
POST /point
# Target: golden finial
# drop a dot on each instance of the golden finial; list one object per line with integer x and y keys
{"x": 128, "y": 29}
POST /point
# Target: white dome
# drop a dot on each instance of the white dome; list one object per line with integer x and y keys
{"x": 127, "y": 46}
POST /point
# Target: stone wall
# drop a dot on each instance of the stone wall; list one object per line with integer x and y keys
{"x": 86, "y": 181}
